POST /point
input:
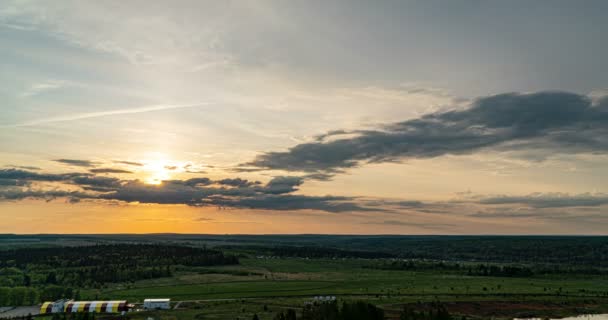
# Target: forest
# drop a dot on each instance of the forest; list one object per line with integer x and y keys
{"x": 488, "y": 269}
{"x": 30, "y": 275}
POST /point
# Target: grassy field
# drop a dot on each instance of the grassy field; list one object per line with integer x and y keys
{"x": 239, "y": 291}
{"x": 265, "y": 286}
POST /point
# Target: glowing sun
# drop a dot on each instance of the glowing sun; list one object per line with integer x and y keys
{"x": 157, "y": 171}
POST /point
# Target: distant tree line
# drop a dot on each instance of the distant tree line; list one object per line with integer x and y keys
{"x": 18, "y": 296}
{"x": 30, "y": 275}
{"x": 129, "y": 255}
{"x": 487, "y": 269}
{"x": 313, "y": 252}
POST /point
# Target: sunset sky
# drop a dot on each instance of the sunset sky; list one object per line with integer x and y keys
{"x": 350, "y": 117}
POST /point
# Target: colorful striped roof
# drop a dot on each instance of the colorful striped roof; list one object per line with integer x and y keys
{"x": 114, "y": 306}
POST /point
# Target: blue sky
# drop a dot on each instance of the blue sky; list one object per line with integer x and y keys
{"x": 485, "y": 115}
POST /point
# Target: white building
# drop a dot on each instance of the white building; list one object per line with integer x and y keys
{"x": 157, "y": 304}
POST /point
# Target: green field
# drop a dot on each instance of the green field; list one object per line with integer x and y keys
{"x": 289, "y": 282}
{"x": 530, "y": 276}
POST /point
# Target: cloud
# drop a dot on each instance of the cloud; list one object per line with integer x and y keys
{"x": 42, "y": 87}
{"x": 425, "y": 225}
{"x": 130, "y": 163}
{"x": 23, "y": 167}
{"x": 80, "y": 116}
{"x": 97, "y": 183}
{"x": 76, "y": 162}
{"x": 279, "y": 185}
{"x": 561, "y": 122}
{"x": 237, "y": 182}
{"x": 12, "y": 182}
{"x": 18, "y": 174}
{"x": 109, "y": 170}
{"x": 280, "y": 194}
{"x": 18, "y": 184}
{"x": 295, "y": 202}
{"x": 550, "y": 200}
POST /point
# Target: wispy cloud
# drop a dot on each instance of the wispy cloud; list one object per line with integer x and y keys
{"x": 42, "y": 87}
{"x": 80, "y": 116}
{"x": 109, "y": 170}
{"x": 77, "y": 162}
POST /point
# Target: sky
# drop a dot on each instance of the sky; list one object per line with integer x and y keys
{"x": 341, "y": 117}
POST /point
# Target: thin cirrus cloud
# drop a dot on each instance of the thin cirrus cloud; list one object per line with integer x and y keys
{"x": 550, "y": 200}
{"x": 561, "y": 122}
{"x": 80, "y": 116}
{"x": 109, "y": 170}
{"x": 77, "y": 162}
{"x": 129, "y": 163}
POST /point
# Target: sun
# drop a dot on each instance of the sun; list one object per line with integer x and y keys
{"x": 158, "y": 168}
{"x": 157, "y": 171}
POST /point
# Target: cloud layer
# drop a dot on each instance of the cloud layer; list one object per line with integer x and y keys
{"x": 276, "y": 194}
{"x": 560, "y": 122}
{"x": 280, "y": 193}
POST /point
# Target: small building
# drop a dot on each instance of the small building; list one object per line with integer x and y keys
{"x": 70, "y": 306}
{"x": 157, "y": 304}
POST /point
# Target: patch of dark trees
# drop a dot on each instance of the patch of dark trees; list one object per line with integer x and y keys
{"x": 312, "y": 252}
{"x": 360, "y": 310}
{"x": 128, "y": 255}
{"x": 29, "y": 275}
{"x": 486, "y": 269}
{"x": 563, "y": 250}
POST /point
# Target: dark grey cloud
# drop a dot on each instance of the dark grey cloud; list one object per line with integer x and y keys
{"x": 23, "y": 167}
{"x": 108, "y": 183}
{"x": 425, "y": 225}
{"x": 294, "y": 202}
{"x": 558, "y": 121}
{"x": 280, "y": 194}
{"x": 85, "y": 180}
{"x": 238, "y": 182}
{"x": 279, "y": 185}
{"x": 48, "y": 195}
{"x": 129, "y": 163}
{"x": 549, "y": 200}
{"x": 12, "y": 182}
{"x": 18, "y": 174}
{"x": 233, "y": 192}
{"x": 77, "y": 162}
{"x": 198, "y": 181}
{"x": 109, "y": 170}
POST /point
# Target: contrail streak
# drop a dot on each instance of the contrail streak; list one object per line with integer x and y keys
{"x": 88, "y": 115}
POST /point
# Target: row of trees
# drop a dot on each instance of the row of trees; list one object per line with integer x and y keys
{"x": 362, "y": 311}
{"x": 31, "y": 275}
{"x": 22, "y": 296}
{"x": 96, "y": 276}
{"x": 313, "y": 252}
{"x": 489, "y": 270}
{"x": 128, "y": 255}
{"x": 18, "y": 296}
{"x": 93, "y": 266}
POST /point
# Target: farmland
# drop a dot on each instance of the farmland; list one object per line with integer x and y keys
{"x": 264, "y": 284}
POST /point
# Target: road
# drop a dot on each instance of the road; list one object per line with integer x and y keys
{"x": 20, "y": 312}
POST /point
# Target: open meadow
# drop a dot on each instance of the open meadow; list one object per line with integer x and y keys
{"x": 238, "y": 278}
